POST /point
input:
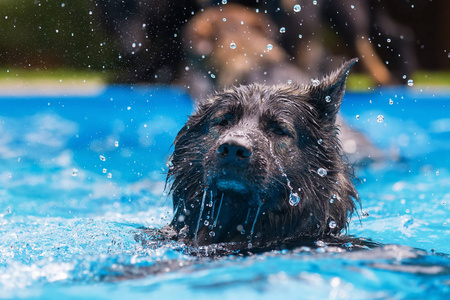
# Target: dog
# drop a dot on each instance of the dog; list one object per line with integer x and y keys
{"x": 257, "y": 165}
{"x": 240, "y": 47}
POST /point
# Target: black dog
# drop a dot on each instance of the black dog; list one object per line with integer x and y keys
{"x": 258, "y": 164}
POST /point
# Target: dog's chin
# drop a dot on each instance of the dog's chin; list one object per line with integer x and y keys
{"x": 237, "y": 191}
{"x": 232, "y": 186}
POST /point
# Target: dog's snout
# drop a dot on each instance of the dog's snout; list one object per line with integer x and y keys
{"x": 235, "y": 151}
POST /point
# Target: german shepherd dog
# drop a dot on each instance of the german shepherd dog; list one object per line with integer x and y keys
{"x": 259, "y": 164}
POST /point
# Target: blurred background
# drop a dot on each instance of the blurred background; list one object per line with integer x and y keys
{"x": 199, "y": 44}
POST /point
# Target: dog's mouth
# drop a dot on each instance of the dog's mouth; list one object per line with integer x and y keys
{"x": 236, "y": 190}
{"x": 231, "y": 185}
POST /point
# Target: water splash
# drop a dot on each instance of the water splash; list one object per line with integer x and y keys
{"x": 248, "y": 214}
{"x": 218, "y": 211}
{"x": 200, "y": 216}
{"x": 315, "y": 82}
{"x": 322, "y": 172}
{"x": 294, "y": 198}
{"x": 254, "y": 222}
{"x": 213, "y": 206}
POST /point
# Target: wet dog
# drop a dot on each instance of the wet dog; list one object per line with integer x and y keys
{"x": 258, "y": 164}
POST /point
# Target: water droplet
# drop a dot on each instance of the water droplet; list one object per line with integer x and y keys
{"x": 269, "y": 47}
{"x": 332, "y": 224}
{"x": 294, "y": 199}
{"x": 322, "y": 172}
{"x": 212, "y": 233}
{"x": 319, "y": 141}
{"x": 357, "y": 117}
{"x": 109, "y": 175}
{"x": 224, "y": 2}
{"x": 300, "y": 36}
{"x": 315, "y": 2}
{"x": 282, "y": 29}
{"x": 437, "y": 173}
{"x": 63, "y": 4}
{"x": 388, "y": 40}
{"x": 102, "y": 158}
{"x": 380, "y": 118}
{"x": 213, "y": 76}
{"x": 364, "y": 214}
{"x": 348, "y": 245}
{"x": 206, "y": 223}
{"x": 104, "y": 171}
{"x": 331, "y": 200}
{"x": 352, "y": 6}
{"x": 233, "y": 45}
{"x": 328, "y": 99}
{"x": 116, "y": 143}
{"x": 404, "y": 77}
{"x": 315, "y": 82}
{"x": 391, "y": 101}
{"x": 224, "y": 19}
{"x": 75, "y": 172}
{"x": 320, "y": 243}
{"x": 297, "y": 8}
{"x": 410, "y": 82}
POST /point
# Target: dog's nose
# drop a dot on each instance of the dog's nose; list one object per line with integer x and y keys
{"x": 234, "y": 151}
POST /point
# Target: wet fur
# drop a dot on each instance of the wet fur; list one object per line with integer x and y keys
{"x": 283, "y": 125}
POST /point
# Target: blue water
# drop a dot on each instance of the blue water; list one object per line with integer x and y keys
{"x": 79, "y": 177}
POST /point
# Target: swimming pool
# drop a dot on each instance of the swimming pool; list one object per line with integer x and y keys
{"x": 80, "y": 175}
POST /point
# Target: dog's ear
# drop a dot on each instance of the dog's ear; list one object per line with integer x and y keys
{"x": 327, "y": 95}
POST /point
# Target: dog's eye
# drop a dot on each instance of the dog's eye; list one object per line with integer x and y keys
{"x": 224, "y": 120}
{"x": 278, "y": 130}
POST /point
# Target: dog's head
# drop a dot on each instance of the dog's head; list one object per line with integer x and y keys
{"x": 235, "y": 39}
{"x": 263, "y": 162}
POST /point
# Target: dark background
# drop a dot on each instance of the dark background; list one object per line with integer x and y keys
{"x": 52, "y": 34}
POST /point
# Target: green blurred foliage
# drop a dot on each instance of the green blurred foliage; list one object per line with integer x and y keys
{"x": 41, "y": 34}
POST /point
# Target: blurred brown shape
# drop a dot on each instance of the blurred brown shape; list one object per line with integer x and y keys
{"x": 213, "y": 31}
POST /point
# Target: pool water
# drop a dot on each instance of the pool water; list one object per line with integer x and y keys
{"x": 81, "y": 175}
